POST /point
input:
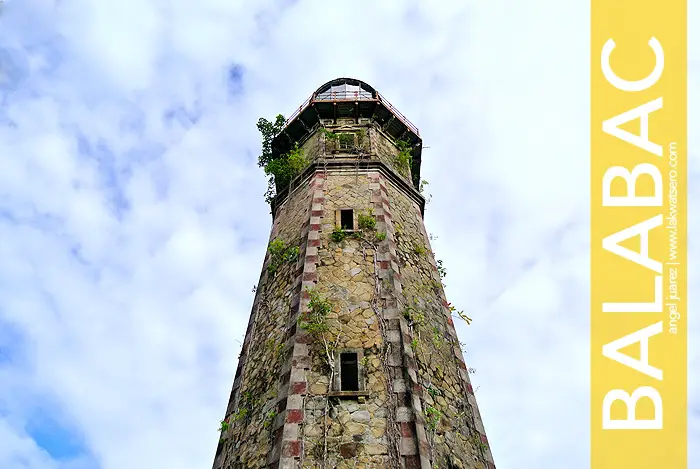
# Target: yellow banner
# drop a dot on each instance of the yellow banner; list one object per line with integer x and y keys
{"x": 638, "y": 234}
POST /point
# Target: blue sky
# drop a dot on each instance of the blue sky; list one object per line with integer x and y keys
{"x": 133, "y": 224}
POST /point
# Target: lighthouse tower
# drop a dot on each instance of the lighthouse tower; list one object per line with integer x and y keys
{"x": 350, "y": 359}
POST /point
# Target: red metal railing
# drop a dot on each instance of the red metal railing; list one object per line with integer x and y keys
{"x": 332, "y": 96}
{"x": 298, "y": 111}
{"x": 345, "y": 95}
{"x": 396, "y": 112}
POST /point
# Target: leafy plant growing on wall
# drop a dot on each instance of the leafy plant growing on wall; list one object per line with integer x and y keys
{"x": 338, "y": 234}
{"x": 414, "y": 317}
{"x": 281, "y": 252}
{"x": 346, "y": 140}
{"x": 441, "y": 269}
{"x": 313, "y": 320}
{"x": 224, "y": 425}
{"x": 269, "y": 419}
{"x": 432, "y": 418}
{"x": 269, "y": 131}
{"x": 353, "y": 142}
{"x": 460, "y": 314}
{"x": 281, "y": 169}
{"x": 366, "y": 221}
{"x": 403, "y": 159}
{"x": 329, "y": 136}
{"x": 422, "y": 185}
{"x": 419, "y": 249}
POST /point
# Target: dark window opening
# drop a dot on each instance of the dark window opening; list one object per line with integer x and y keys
{"x": 349, "y": 372}
{"x": 346, "y": 220}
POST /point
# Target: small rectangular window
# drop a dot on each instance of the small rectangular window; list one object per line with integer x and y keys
{"x": 346, "y": 141}
{"x": 349, "y": 372}
{"x": 346, "y": 220}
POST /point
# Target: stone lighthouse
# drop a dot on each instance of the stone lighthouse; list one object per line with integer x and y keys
{"x": 350, "y": 359}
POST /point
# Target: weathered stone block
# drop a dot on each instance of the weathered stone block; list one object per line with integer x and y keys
{"x": 361, "y": 416}
{"x": 349, "y": 450}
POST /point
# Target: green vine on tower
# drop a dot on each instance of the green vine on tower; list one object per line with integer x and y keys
{"x": 281, "y": 252}
{"x": 281, "y": 169}
{"x": 313, "y": 320}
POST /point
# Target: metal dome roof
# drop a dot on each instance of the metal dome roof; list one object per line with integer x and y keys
{"x": 350, "y": 87}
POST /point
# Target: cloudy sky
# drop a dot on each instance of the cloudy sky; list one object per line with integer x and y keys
{"x": 133, "y": 225}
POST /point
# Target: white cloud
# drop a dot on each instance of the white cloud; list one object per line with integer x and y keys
{"x": 133, "y": 226}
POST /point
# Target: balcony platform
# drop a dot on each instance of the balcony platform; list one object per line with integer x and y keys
{"x": 349, "y": 98}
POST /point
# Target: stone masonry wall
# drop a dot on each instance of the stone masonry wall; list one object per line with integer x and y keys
{"x": 313, "y": 147}
{"x": 415, "y": 408}
{"x": 386, "y": 151}
{"x": 374, "y": 428}
{"x": 356, "y": 425}
{"x": 258, "y": 396}
{"x": 454, "y": 431}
